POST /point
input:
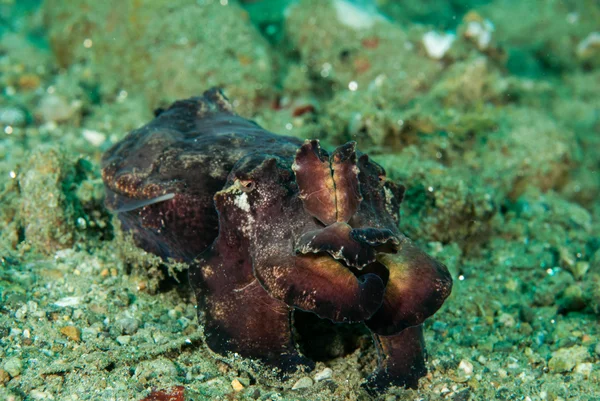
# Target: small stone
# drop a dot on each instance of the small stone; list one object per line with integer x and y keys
{"x": 565, "y": 359}
{"x": 68, "y": 301}
{"x": 584, "y": 368}
{"x": 159, "y": 338}
{"x": 36, "y": 394}
{"x": 124, "y": 340}
{"x": 21, "y": 312}
{"x": 589, "y": 46}
{"x": 325, "y": 374}
{"x": 55, "y": 108}
{"x": 94, "y": 137}
{"x": 572, "y": 298}
{"x": 29, "y": 81}
{"x": 507, "y": 320}
{"x": 14, "y": 366}
{"x": 304, "y": 382}
{"x": 89, "y": 334}
{"x": 237, "y": 385}
{"x": 127, "y": 325}
{"x": 158, "y": 368}
{"x": 466, "y": 367}
{"x": 566, "y": 258}
{"x": 72, "y": 333}
{"x": 437, "y": 44}
{"x": 4, "y": 376}
{"x": 580, "y": 269}
{"x": 175, "y": 393}
{"x": 12, "y": 116}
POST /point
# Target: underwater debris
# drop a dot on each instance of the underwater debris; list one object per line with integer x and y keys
{"x": 437, "y": 44}
{"x": 175, "y": 393}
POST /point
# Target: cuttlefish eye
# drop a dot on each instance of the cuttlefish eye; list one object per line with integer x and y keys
{"x": 246, "y": 185}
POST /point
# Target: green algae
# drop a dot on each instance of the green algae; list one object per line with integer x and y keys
{"x": 196, "y": 47}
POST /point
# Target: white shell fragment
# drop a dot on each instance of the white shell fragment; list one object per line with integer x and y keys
{"x": 437, "y": 44}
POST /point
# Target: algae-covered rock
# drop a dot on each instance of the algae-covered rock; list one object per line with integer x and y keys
{"x": 554, "y": 231}
{"x": 441, "y": 204}
{"x": 544, "y": 34}
{"x": 165, "y": 50}
{"x": 48, "y": 226}
{"x": 60, "y": 201}
{"x": 577, "y": 107}
{"x": 510, "y": 149}
{"x": 565, "y": 359}
{"x": 14, "y": 366}
{"x": 364, "y": 116}
{"x": 529, "y": 149}
{"x": 356, "y": 48}
{"x": 469, "y": 83}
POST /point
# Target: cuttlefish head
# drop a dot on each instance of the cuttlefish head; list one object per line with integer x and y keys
{"x": 324, "y": 239}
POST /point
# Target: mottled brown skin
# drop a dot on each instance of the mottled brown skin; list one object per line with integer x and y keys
{"x": 270, "y": 225}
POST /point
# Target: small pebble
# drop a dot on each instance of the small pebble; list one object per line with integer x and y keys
{"x": 14, "y": 366}
{"x": 153, "y": 369}
{"x": 466, "y": 367}
{"x": 580, "y": 269}
{"x": 124, "y": 340}
{"x": 89, "y": 334}
{"x": 29, "y": 81}
{"x": 304, "y": 382}
{"x": 127, "y": 325}
{"x": 565, "y": 359}
{"x": 325, "y": 374}
{"x": 71, "y": 332}
{"x": 4, "y": 376}
{"x": 12, "y": 116}
{"x": 77, "y": 314}
{"x": 437, "y": 44}
{"x": 237, "y": 385}
{"x": 94, "y": 137}
{"x": 21, "y": 312}
{"x": 507, "y": 320}
{"x": 68, "y": 301}
{"x": 584, "y": 368}
{"x": 36, "y": 394}
{"x": 55, "y": 108}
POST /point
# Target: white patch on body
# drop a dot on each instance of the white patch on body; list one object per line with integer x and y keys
{"x": 241, "y": 201}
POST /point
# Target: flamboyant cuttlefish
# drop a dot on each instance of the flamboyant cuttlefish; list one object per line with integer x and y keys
{"x": 270, "y": 224}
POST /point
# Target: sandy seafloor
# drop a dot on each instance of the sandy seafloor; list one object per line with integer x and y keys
{"x": 487, "y": 110}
